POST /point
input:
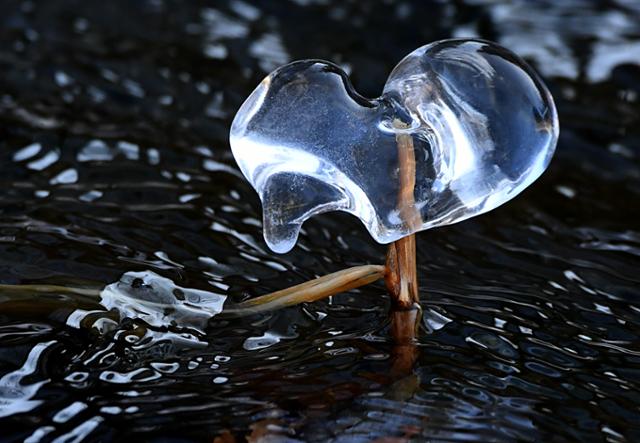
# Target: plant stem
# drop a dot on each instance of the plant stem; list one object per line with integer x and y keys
{"x": 312, "y": 290}
{"x": 404, "y": 327}
{"x": 49, "y": 289}
{"x": 401, "y": 277}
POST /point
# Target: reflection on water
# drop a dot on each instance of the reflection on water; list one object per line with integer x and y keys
{"x": 16, "y": 392}
{"x": 158, "y": 302}
{"x": 115, "y": 161}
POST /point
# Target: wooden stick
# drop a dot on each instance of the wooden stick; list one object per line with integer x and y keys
{"x": 404, "y": 327}
{"x": 312, "y": 290}
{"x": 407, "y": 178}
{"x": 402, "y": 278}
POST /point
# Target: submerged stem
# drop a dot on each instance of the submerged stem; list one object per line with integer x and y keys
{"x": 401, "y": 277}
{"x": 49, "y": 289}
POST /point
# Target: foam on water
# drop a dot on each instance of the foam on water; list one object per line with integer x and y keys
{"x": 159, "y": 302}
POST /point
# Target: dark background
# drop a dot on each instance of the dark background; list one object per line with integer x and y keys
{"x": 531, "y": 312}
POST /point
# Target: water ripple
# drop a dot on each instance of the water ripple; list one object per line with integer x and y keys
{"x": 115, "y": 164}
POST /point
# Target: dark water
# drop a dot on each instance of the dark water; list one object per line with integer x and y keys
{"x": 114, "y": 158}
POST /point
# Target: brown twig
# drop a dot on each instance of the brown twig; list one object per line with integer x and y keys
{"x": 313, "y": 290}
{"x": 50, "y": 289}
{"x": 401, "y": 278}
{"x": 404, "y": 327}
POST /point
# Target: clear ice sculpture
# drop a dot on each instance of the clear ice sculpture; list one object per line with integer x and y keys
{"x": 480, "y": 123}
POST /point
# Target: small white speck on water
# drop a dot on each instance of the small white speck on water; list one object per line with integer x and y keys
{"x": 27, "y": 152}
{"x": 566, "y": 191}
{"x": 62, "y": 79}
{"x": 65, "y": 177}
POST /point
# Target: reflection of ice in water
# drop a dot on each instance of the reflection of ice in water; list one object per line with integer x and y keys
{"x": 77, "y": 434}
{"x": 15, "y": 397}
{"x": 280, "y": 329}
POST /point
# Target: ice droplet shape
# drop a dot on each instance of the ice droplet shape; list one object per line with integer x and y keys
{"x": 479, "y": 123}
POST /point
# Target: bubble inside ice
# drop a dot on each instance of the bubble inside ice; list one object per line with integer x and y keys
{"x": 462, "y": 126}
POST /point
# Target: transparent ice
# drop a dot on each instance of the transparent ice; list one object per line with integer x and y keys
{"x": 468, "y": 120}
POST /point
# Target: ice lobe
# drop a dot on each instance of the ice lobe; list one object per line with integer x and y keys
{"x": 481, "y": 123}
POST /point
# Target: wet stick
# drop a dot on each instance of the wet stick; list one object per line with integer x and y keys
{"x": 312, "y": 290}
{"x": 401, "y": 278}
{"x": 403, "y": 329}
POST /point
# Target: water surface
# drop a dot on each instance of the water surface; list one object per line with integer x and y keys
{"x": 114, "y": 158}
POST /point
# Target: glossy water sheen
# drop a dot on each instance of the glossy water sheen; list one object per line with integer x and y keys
{"x": 114, "y": 158}
{"x": 482, "y": 127}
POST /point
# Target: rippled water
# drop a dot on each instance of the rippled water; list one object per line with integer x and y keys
{"x": 115, "y": 159}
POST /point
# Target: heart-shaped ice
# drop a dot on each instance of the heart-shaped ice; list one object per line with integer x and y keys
{"x": 462, "y": 126}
